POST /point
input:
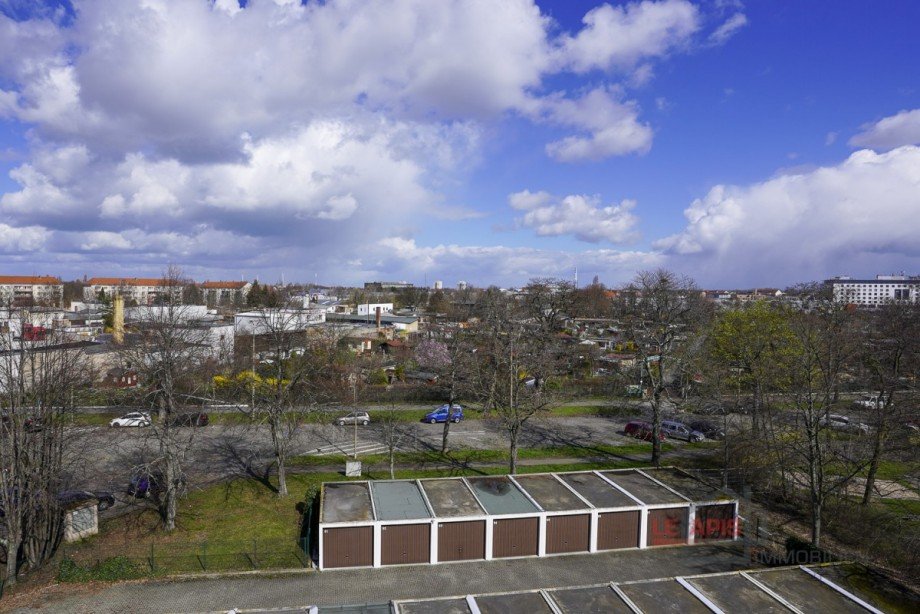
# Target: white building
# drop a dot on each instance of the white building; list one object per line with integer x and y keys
{"x": 439, "y": 285}
{"x": 370, "y": 309}
{"x": 140, "y": 290}
{"x": 29, "y": 290}
{"x": 876, "y": 292}
{"x": 264, "y": 320}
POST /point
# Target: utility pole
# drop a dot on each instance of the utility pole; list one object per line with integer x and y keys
{"x": 354, "y": 389}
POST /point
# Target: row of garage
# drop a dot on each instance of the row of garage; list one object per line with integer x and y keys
{"x": 393, "y": 522}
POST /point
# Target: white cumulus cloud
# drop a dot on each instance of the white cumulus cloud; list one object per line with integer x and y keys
{"x": 583, "y": 217}
{"x": 890, "y": 132}
{"x": 862, "y": 211}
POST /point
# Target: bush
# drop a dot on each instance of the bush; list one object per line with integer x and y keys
{"x": 115, "y": 568}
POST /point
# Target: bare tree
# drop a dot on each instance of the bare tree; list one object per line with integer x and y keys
{"x": 37, "y": 376}
{"x": 509, "y": 373}
{"x": 394, "y": 434}
{"x": 825, "y": 345}
{"x": 284, "y": 387}
{"x": 660, "y": 311}
{"x": 170, "y": 354}
{"x": 890, "y": 355}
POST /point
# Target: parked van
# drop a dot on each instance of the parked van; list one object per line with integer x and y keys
{"x": 679, "y": 430}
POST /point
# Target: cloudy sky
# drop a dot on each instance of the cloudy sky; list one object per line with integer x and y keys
{"x": 746, "y": 144}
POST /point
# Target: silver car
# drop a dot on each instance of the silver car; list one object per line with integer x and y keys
{"x": 355, "y": 417}
{"x": 679, "y": 430}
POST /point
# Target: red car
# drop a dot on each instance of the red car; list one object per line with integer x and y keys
{"x": 641, "y": 430}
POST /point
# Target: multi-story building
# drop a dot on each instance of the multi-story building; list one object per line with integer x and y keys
{"x": 228, "y": 293}
{"x": 387, "y": 286}
{"x": 876, "y": 292}
{"x": 28, "y": 291}
{"x": 139, "y": 290}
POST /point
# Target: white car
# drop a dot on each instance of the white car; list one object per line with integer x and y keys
{"x": 136, "y": 418}
{"x": 867, "y": 402}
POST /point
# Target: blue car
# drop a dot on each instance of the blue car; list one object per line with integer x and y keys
{"x": 440, "y": 415}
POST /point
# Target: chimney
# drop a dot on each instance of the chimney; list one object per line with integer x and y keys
{"x": 118, "y": 319}
{"x": 378, "y": 317}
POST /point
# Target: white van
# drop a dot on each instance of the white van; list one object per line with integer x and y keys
{"x": 679, "y": 430}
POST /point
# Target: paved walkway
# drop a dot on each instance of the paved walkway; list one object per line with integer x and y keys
{"x": 409, "y": 582}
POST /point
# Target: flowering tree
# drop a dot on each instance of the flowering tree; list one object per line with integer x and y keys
{"x": 444, "y": 359}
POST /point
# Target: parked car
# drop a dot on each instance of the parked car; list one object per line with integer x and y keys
{"x": 709, "y": 429}
{"x": 104, "y": 500}
{"x": 641, "y": 430}
{"x": 135, "y": 418}
{"x": 440, "y": 414}
{"x": 142, "y": 485}
{"x": 355, "y": 417}
{"x": 843, "y": 423}
{"x": 197, "y": 418}
{"x": 31, "y": 425}
{"x": 867, "y": 402}
{"x": 679, "y": 430}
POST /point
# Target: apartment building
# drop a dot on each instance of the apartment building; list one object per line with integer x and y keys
{"x": 28, "y": 291}
{"x": 225, "y": 293}
{"x": 876, "y": 292}
{"x": 139, "y": 290}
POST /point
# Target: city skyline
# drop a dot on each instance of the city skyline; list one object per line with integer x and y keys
{"x": 741, "y": 144}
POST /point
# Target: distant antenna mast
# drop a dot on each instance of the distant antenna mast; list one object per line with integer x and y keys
{"x": 576, "y": 277}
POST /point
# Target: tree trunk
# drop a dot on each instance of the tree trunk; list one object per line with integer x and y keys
{"x": 873, "y": 464}
{"x": 282, "y": 476}
{"x": 656, "y": 427}
{"x": 392, "y": 463}
{"x": 512, "y": 461}
{"x": 817, "y": 510}
{"x": 445, "y": 433}
{"x": 12, "y": 561}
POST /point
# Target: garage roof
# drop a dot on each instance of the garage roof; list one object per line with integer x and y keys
{"x": 500, "y": 496}
{"x": 549, "y": 493}
{"x": 398, "y": 500}
{"x": 346, "y": 502}
{"x": 597, "y": 490}
{"x": 451, "y": 498}
{"x": 643, "y": 488}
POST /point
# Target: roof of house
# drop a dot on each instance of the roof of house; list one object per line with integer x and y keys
{"x": 127, "y": 281}
{"x": 224, "y": 285}
{"x": 35, "y": 280}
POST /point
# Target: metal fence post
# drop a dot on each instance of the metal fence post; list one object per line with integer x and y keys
{"x": 203, "y": 559}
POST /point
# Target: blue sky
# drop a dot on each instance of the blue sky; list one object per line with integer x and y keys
{"x": 744, "y": 144}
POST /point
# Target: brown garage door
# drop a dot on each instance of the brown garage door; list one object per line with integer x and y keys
{"x": 348, "y": 547}
{"x": 568, "y": 533}
{"x": 405, "y": 543}
{"x": 618, "y": 530}
{"x": 714, "y": 522}
{"x": 515, "y": 537}
{"x": 668, "y": 526}
{"x": 462, "y": 541}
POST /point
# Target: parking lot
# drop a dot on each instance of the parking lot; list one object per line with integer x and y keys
{"x": 105, "y": 458}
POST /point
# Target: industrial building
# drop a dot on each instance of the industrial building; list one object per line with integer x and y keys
{"x": 439, "y": 520}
